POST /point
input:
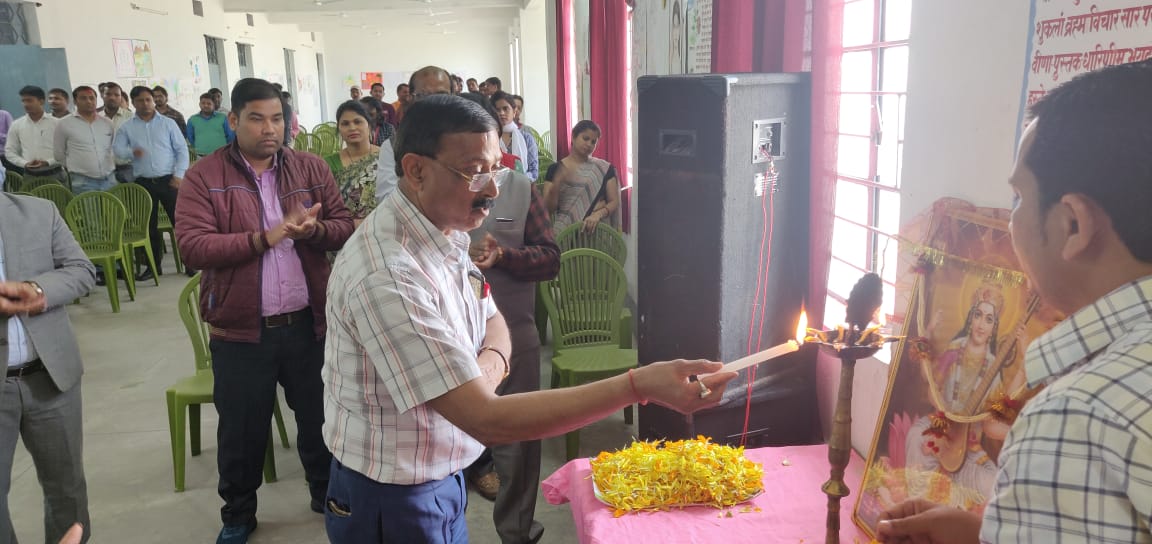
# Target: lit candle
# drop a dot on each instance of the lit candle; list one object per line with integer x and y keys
{"x": 773, "y": 352}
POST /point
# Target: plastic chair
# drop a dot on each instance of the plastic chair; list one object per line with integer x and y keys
{"x": 606, "y": 239}
{"x": 139, "y": 205}
{"x": 97, "y": 221}
{"x": 186, "y": 395}
{"x": 13, "y": 182}
{"x": 32, "y": 183}
{"x": 583, "y": 305}
{"x": 165, "y": 226}
{"x": 303, "y": 142}
{"x": 328, "y": 143}
{"x": 58, "y": 194}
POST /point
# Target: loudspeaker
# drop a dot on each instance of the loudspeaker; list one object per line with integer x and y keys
{"x": 722, "y": 226}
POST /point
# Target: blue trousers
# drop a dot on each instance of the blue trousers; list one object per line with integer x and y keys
{"x": 360, "y": 510}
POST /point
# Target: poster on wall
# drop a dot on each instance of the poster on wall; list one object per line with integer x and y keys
{"x": 957, "y": 380}
{"x": 133, "y": 58}
{"x": 699, "y": 28}
{"x": 1070, "y": 37}
{"x": 367, "y": 79}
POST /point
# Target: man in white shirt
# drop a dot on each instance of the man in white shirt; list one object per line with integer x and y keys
{"x": 29, "y": 145}
{"x": 58, "y": 104}
{"x": 116, "y": 109}
{"x": 83, "y": 144}
{"x": 424, "y": 82}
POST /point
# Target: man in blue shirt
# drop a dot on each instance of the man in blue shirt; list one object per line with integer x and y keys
{"x": 159, "y": 159}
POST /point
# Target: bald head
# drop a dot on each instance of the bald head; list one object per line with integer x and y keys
{"x": 429, "y": 80}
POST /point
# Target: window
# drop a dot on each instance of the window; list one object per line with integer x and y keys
{"x": 870, "y": 148}
{"x": 244, "y": 55}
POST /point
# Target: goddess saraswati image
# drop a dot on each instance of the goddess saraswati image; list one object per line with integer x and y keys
{"x": 958, "y": 387}
{"x": 954, "y": 440}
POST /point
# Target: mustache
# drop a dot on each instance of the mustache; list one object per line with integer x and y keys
{"x": 484, "y": 204}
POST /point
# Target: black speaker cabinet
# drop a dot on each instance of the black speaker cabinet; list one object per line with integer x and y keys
{"x": 723, "y": 246}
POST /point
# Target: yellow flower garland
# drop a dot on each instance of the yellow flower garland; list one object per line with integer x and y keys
{"x": 662, "y": 475}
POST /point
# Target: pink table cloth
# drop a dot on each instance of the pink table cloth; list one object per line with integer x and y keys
{"x": 792, "y": 508}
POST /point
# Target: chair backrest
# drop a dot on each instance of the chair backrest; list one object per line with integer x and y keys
{"x": 13, "y": 182}
{"x": 604, "y": 238}
{"x": 189, "y": 308}
{"x": 58, "y": 194}
{"x": 31, "y": 183}
{"x": 139, "y": 205}
{"x": 326, "y": 141}
{"x": 97, "y": 221}
{"x": 585, "y": 300}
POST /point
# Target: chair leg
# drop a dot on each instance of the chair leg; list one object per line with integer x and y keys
{"x": 176, "y": 429}
{"x": 152, "y": 262}
{"x": 111, "y": 284}
{"x": 129, "y": 276}
{"x": 269, "y": 462}
{"x": 280, "y": 423}
{"x": 194, "y": 428}
{"x": 176, "y": 253}
{"x": 626, "y": 329}
{"x": 628, "y": 414}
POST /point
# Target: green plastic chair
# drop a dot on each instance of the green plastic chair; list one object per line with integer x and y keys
{"x": 583, "y": 305}
{"x": 303, "y": 142}
{"x": 327, "y": 142}
{"x": 606, "y": 239}
{"x": 139, "y": 205}
{"x": 165, "y": 226}
{"x": 13, "y": 182}
{"x": 32, "y": 183}
{"x": 97, "y": 221}
{"x": 185, "y": 396}
{"x": 58, "y": 194}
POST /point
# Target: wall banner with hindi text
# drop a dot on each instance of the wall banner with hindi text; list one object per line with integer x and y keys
{"x": 1070, "y": 37}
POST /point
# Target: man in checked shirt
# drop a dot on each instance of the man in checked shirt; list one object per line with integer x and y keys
{"x": 1077, "y": 464}
{"x": 416, "y": 348}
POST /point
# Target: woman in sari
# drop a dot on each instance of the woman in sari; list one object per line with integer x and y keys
{"x": 580, "y": 187}
{"x": 354, "y": 167}
{"x": 379, "y": 120}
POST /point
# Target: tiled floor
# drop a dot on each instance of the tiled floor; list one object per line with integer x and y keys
{"x": 130, "y": 359}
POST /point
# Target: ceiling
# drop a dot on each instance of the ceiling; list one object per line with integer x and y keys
{"x": 434, "y": 16}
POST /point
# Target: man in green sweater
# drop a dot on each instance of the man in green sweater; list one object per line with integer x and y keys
{"x": 209, "y": 130}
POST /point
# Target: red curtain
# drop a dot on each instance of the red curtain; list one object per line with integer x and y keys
{"x": 827, "y": 49}
{"x": 608, "y": 59}
{"x": 753, "y": 35}
{"x": 565, "y": 78}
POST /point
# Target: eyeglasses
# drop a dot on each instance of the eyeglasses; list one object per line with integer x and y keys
{"x": 477, "y": 182}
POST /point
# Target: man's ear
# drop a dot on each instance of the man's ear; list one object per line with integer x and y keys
{"x": 1082, "y": 224}
{"x": 233, "y": 121}
{"x": 413, "y": 168}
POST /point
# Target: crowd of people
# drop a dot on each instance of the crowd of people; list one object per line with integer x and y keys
{"x": 407, "y": 384}
{"x": 388, "y": 289}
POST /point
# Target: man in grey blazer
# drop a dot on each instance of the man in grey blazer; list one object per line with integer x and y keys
{"x": 42, "y": 269}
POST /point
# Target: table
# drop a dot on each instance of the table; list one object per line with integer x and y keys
{"x": 793, "y": 509}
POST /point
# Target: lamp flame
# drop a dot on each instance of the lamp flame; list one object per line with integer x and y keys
{"x": 802, "y": 327}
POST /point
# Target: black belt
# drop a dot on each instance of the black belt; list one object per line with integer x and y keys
{"x": 30, "y": 368}
{"x": 284, "y": 320}
{"x": 161, "y": 178}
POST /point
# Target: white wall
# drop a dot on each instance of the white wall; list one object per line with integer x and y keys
{"x": 960, "y": 132}
{"x": 177, "y": 41}
{"x": 534, "y": 45}
{"x": 477, "y": 52}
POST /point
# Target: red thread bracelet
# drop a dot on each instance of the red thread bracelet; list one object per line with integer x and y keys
{"x": 640, "y": 398}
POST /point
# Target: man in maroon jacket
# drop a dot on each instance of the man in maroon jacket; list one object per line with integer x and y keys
{"x": 258, "y": 220}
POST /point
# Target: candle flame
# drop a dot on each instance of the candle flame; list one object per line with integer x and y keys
{"x": 802, "y": 327}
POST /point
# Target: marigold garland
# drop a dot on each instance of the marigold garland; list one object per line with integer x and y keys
{"x": 662, "y": 475}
